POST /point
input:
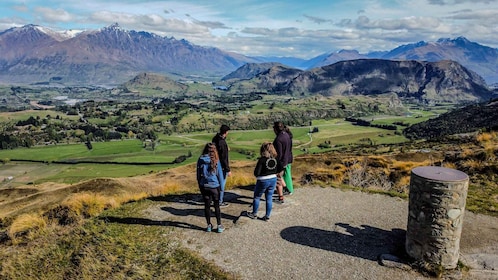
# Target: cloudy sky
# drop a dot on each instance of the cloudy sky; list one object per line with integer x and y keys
{"x": 298, "y": 28}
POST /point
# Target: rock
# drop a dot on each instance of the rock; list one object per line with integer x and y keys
{"x": 392, "y": 261}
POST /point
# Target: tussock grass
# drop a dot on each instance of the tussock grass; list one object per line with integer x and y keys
{"x": 240, "y": 178}
{"x": 407, "y": 166}
{"x": 26, "y": 227}
{"x": 88, "y": 204}
{"x": 486, "y": 136}
{"x": 108, "y": 250}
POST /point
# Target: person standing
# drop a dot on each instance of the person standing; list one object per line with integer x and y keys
{"x": 209, "y": 176}
{"x": 221, "y": 145}
{"x": 283, "y": 145}
{"x": 287, "y": 176}
{"x": 266, "y": 180}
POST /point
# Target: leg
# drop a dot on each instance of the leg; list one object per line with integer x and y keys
{"x": 217, "y": 212}
{"x": 222, "y": 186}
{"x": 280, "y": 186}
{"x": 206, "y": 196}
{"x": 288, "y": 178}
{"x": 258, "y": 192}
{"x": 270, "y": 188}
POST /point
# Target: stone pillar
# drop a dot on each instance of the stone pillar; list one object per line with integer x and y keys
{"x": 435, "y": 217}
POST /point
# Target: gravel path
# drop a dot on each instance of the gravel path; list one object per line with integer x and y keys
{"x": 319, "y": 233}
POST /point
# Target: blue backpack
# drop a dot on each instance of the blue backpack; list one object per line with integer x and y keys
{"x": 208, "y": 179}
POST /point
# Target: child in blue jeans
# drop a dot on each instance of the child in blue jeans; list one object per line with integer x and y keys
{"x": 266, "y": 179}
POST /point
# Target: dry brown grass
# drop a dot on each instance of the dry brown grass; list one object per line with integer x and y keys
{"x": 89, "y": 204}
{"x": 485, "y": 136}
{"x": 407, "y": 166}
{"x": 26, "y": 226}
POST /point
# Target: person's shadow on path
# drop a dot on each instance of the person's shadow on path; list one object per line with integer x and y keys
{"x": 148, "y": 222}
{"x": 364, "y": 242}
{"x": 189, "y": 199}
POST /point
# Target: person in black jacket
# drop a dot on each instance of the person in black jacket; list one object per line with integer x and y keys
{"x": 266, "y": 180}
{"x": 221, "y": 145}
{"x": 283, "y": 146}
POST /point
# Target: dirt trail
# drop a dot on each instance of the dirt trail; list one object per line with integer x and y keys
{"x": 319, "y": 233}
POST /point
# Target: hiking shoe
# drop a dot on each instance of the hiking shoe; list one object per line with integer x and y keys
{"x": 251, "y": 215}
{"x": 220, "y": 229}
{"x": 223, "y": 204}
{"x": 265, "y": 218}
{"x": 209, "y": 228}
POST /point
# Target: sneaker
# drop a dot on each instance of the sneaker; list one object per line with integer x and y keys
{"x": 251, "y": 215}
{"x": 279, "y": 201}
{"x": 265, "y": 218}
{"x": 209, "y": 228}
{"x": 223, "y": 204}
{"x": 220, "y": 229}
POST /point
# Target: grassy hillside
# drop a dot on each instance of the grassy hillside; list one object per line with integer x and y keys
{"x": 63, "y": 232}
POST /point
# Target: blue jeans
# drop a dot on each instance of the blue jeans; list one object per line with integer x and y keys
{"x": 266, "y": 187}
{"x": 222, "y": 186}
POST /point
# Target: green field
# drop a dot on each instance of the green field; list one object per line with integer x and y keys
{"x": 244, "y": 145}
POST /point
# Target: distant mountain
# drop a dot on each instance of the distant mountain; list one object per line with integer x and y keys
{"x": 110, "y": 56}
{"x": 107, "y": 56}
{"x": 468, "y": 119}
{"x": 150, "y": 81}
{"x": 478, "y": 58}
{"x": 289, "y": 61}
{"x": 250, "y": 70}
{"x": 444, "y": 81}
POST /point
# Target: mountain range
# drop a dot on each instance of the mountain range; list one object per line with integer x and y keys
{"x": 111, "y": 56}
{"x": 419, "y": 81}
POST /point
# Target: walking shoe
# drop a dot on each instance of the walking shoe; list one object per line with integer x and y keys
{"x": 220, "y": 229}
{"x": 265, "y": 218}
{"x": 280, "y": 200}
{"x": 251, "y": 215}
{"x": 209, "y": 228}
{"x": 223, "y": 204}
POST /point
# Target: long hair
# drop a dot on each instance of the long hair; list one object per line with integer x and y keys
{"x": 287, "y": 129}
{"x": 268, "y": 150}
{"x": 210, "y": 149}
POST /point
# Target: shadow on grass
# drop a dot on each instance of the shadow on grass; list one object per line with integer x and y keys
{"x": 148, "y": 222}
{"x": 189, "y": 205}
{"x": 363, "y": 242}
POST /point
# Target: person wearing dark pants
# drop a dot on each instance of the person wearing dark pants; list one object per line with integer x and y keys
{"x": 209, "y": 176}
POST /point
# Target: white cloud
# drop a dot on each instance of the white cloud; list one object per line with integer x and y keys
{"x": 53, "y": 15}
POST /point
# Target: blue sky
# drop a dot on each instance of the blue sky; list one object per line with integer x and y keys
{"x": 296, "y": 28}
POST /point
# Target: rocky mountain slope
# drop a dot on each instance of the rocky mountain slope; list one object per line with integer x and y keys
{"x": 480, "y": 59}
{"x": 482, "y": 116}
{"x": 108, "y": 56}
{"x": 444, "y": 81}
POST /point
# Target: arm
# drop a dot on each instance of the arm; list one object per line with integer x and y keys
{"x": 223, "y": 154}
{"x": 198, "y": 174}
{"x": 258, "y": 168}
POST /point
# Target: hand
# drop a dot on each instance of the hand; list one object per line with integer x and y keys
{"x": 229, "y": 173}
